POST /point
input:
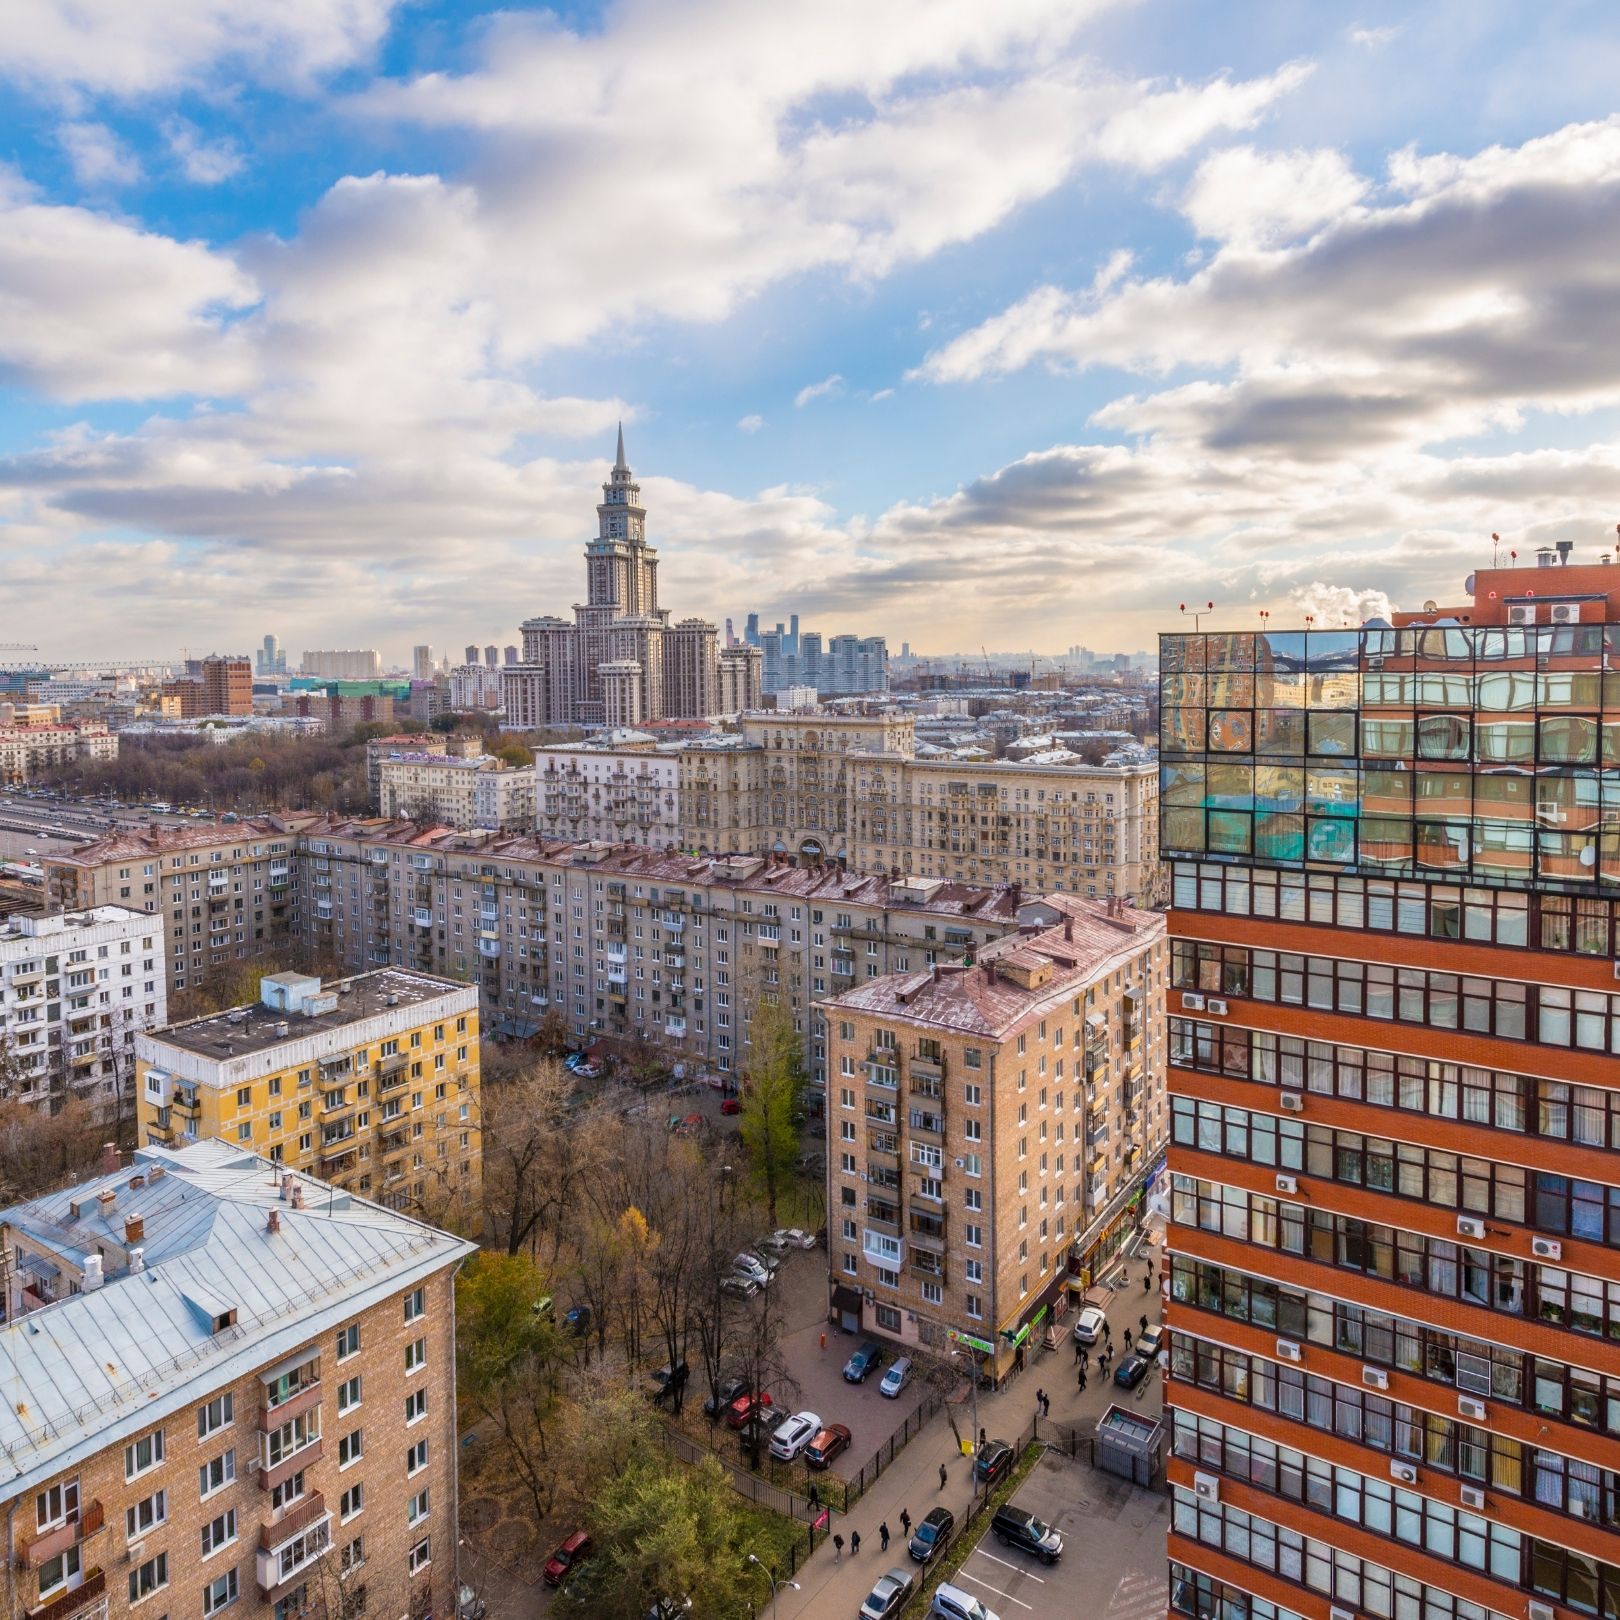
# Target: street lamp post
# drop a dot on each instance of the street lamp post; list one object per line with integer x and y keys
{"x": 774, "y": 1583}
{"x": 973, "y": 1385}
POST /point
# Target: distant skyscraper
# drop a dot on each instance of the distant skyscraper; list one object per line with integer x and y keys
{"x": 272, "y": 660}
{"x": 492, "y": 658}
{"x": 422, "y": 662}
{"x": 472, "y": 653}
{"x": 731, "y": 636}
{"x": 751, "y": 629}
{"x": 511, "y": 655}
{"x": 905, "y": 649}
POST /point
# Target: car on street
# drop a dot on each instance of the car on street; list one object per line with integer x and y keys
{"x": 667, "y": 1380}
{"x": 731, "y": 1105}
{"x": 739, "y": 1287}
{"x": 1132, "y": 1370}
{"x": 1088, "y": 1325}
{"x": 994, "y": 1459}
{"x": 1016, "y": 1527}
{"x": 887, "y": 1594}
{"x": 795, "y": 1237}
{"x": 828, "y": 1444}
{"x": 931, "y": 1534}
{"x": 751, "y": 1266}
{"x": 567, "y": 1556}
{"x": 896, "y": 1378}
{"x": 773, "y": 1247}
{"x": 795, "y": 1435}
{"x": 957, "y": 1603}
{"x": 744, "y": 1407}
{"x": 1152, "y": 1338}
{"x": 771, "y": 1262}
{"x": 729, "y": 1390}
{"x": 863, "y": 1363}
{"x": 469, "y": 1606}
{"x": 762, "y": 1426}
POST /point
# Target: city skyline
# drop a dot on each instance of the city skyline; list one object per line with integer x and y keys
{"x": 1002, "y": 326}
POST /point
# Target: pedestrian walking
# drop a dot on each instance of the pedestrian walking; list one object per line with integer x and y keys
{"x": 1082, "y": 1380}
{"x": 883, "y": 1536}
{"x": 905, "y": 1523}
{"x": 1147, "y": 1281}
{"x": 1040, "y": 1399}
{"x": 1078, "y": 1351}
{"x": 815, "y": 1495}
{"x": 838, "y": 1548}
{"x": 942, "y": 1476}
{"x": 1144, "y": 1321}
{"x": 1108, "y": 1331}
{"x": 854, "y": 1542}
{"x": 1046, "y": 1406}
{"x": 982, "y": 1440}
{"x": 1085, "y": 1356}
{"x": 1127, "y": 1338}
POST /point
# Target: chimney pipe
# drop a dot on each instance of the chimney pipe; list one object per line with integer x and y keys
{"x": 92, "y": 1273}
{"x": 137, "y": 1260}
{"x": 1564, "y": 549}
{"x": 297, "y": 1196}
{"x": 134, "y": 1227}
{"x": 273, "y": 1224}
{"x": 109, "y": 1158}
{"x": 286, "y": 1188}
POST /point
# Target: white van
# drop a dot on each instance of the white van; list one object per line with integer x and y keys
{"x": 952, "y": 1603}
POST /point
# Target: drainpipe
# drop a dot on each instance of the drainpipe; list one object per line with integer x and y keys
{"x": 455, "y": 1446}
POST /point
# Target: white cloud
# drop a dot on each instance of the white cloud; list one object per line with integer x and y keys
{"x": 1260, "y": 199}
{"x": 98, "y": 157}
{"x": 828, "y": 388}
{"x": 1376, "y": 38}
{"x": 751, "y": 423}
{"x": 134, "y": 49}
{"x": 203, "y": 162}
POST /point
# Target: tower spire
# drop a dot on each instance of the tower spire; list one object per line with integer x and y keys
{"x": 619, "y": 464}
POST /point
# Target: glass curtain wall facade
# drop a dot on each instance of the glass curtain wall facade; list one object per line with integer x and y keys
{"x": 1394, "y": 1018}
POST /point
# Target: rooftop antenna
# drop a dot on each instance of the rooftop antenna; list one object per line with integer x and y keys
{"x": 1496, "y": 546}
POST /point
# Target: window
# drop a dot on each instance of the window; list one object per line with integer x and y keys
{"x": 287, "y": 1492}
{"x": 348, "y": 1342}
{"x": 294, "y": 1604}
{"x": 415, "y": 1304}
{"x": 216, "y": 1475}
{"x": 351, "y": 1502}
{"x": 417, "y": 1508}
{"x": 415, "y": 1405}
{"x": 219, "y": 1531}
{"x": 421, "y": 1555}
{"x": 416, "y": 1459}
{"x": 348, "y": 1394}
{"x": 351, "y": 1447}
{"x": 143, "y": 1455}
{"x": 415, "y": 1355}
{"x": 55, "y": 1573}
{"x": 146, "y": 1514}
{"x": 214, "y": 1414}
{"x": 152, "y": 1576}
{"x": 57, "y": 1505}
{"x": 221, "y": 1593}
{"x": 353, "y": 1554}
{"x": 974, "y": 1236}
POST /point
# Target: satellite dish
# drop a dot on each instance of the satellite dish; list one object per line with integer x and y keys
{"x": 1429, "y": 607}
{"x": 1468, "y": 585}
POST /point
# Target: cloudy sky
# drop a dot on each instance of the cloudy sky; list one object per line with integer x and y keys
{"x": 1014, "y": 323}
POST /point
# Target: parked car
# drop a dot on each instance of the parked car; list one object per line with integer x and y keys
{"x": 744, "y": 1407}
{"x": 731, "y": 1105}
{"x": 739, "y": 1287}
{"x": 771, "y": 1262}
{"x": 577, "y": 1319}
{"x": 795, "y": 1237}
{"x": 1151, "y": 1340}
{"x": 1088, "y": 1325}
{"x": 826, "y": 1445}
{"x": 1014, "y": 1527}
{"x": 469, "y": 1606}
{"x": 994, "y": 1459}
{"x": 795, "y": 1435}
{"x": 669, "y": 1379}
{"x": 889, "y": 1592}
{"x": 1132, "y": 1370}
{"x": 773, "y": 1247}
{"x": 750, "y": 1265}
{"x": 760, "y": 1428}
{"x": 730, "y": 1389}
{"x": 575, "y": 1549}
{"x": 896, "y": 1378}
{"x": 863, "y": 1363}
{"x": 957, "y": 1603}
{"x": 931, "y": 1534}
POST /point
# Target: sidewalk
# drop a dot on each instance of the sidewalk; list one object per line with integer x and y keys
{"x": 912, "y": 1480}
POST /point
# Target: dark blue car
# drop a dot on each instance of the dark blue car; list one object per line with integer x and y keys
{"x": 863, "y": 1363}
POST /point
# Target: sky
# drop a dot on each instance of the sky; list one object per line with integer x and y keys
{"x": 1019, "y": 324}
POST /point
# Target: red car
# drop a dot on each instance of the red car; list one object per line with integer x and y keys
{"x": 731, "y": 1105}
{"x": 743, "y": 1408}
{"x": 826, "y": 1445}
{"x": 571, "y": 1552}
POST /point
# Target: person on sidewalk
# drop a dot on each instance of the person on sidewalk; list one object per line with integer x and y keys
{"x": 905, "y": 1523}
{"x": 854, "y": 1542}
{"x": 942, "y": 1476}
{"x": 1040, "y": 1400}
{"x": 1079, "y": 1350}
{"x": 1127, "y": 1338}
{"x": 1082, "y": 1380}
{"x": 1147, "y": 1282}
{"x": 838, "y": 1548}
{"x": 1144, "y": 1322}
{"x": 883, "y": 1536}
{"x": 815, "y": 1496}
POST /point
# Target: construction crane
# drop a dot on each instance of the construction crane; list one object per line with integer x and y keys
{"x": 18, "y": 646}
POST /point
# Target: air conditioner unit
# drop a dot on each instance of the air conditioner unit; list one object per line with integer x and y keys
{"x": 134, "y": 1551}
{"x": 1468, "y": 1227}
{"x": 1468, "y": 1407}
{"x": 1195, "y": 1003}
{"x": 253, "y": 1465}
{"x": 1523, "y": 613}
{"x": 1403, "y": 1472}
{"x": 1291, "y": 1102}
{"x": 1564, "y": 613}
{"x": 1216, "y": 1008}
{"x": 1289, "y": 1350}
{"x": 1287, "y": 1184}
{"x": 1206, "y": 1487}
{"x": 1541, "y": 1611}
{"x": 1472, "y": 1497}
{"x": 1546, "y": 1248}
{"x": 1549, "y": 810}
{"x": 1375, "y": 1378}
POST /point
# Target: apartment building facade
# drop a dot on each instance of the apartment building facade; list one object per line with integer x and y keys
{"x": 642, "y": 947}
{"x": 991, "y": 1128}
{"x": 224, "y": 894}
{"x": 28, "y": 750}
{"x": 75, "y": 988}
{"x": 480, "y": 791}
{"x": 371, "y": 1083}
{"x": 1395, "y": 1192}
{"x": 212, "y": 686}
{"x": 231, "y": 1388}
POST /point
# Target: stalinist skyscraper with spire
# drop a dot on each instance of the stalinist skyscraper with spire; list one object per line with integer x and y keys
{"x": 621, "y": 662}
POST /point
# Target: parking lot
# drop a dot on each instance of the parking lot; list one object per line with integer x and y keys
{"x": 1112, "y": 1566}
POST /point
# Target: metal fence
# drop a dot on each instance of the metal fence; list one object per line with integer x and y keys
{"x": 762, "y": 1492}
{"x": 855, "y": 1489}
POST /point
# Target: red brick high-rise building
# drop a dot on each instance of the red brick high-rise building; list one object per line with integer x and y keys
{"x": 1394, "y": 1025}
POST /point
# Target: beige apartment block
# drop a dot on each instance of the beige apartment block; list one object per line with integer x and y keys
{"x": 229, "y": 1387}
{"x": 28, "y": 749}
{"x": 371, "y": 1082}
{"x": 225, "y": 893}
{"x": 991, "y": 1129}
{"x": 480, "y": 791}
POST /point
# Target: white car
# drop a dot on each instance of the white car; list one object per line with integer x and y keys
{"x": 795, "y": 1435}
{"x": 896, "y": 1378}
{"x": 795, "y": 1238}
{"x": 752, "y": 1267}
{"x": 1089, "y": 1325}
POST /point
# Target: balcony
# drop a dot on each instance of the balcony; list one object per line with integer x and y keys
{"x": 843, "y": 967}
{"x": 925, "y": 1087}
{"x": 339, "y": 1162}
{"x": 930, "y": 1127}
{"x": 489, "y": 947}
{"x": 922, "y": 1068}
{"x": 675, "y": 1027}
{"x": 286, "y": 1549}
{"x": 309, "y": 1452}
{"x": 393, "y": 1063}
{"x": 304, "y": 1399}
{"x": 421, "y": 917}
{"x": 90, "y": 1593}
{"x": 50, "y": 1543}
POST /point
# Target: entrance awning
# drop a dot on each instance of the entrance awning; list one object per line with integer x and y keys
{"x": 846, "y": 1299}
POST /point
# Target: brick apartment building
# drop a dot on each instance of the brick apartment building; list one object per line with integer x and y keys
{"x": 991, "y": 1127}
{"x": 213, "y": 686}
{"x": 1395, "y": 1191}
{"x": 228, "y": 1387}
